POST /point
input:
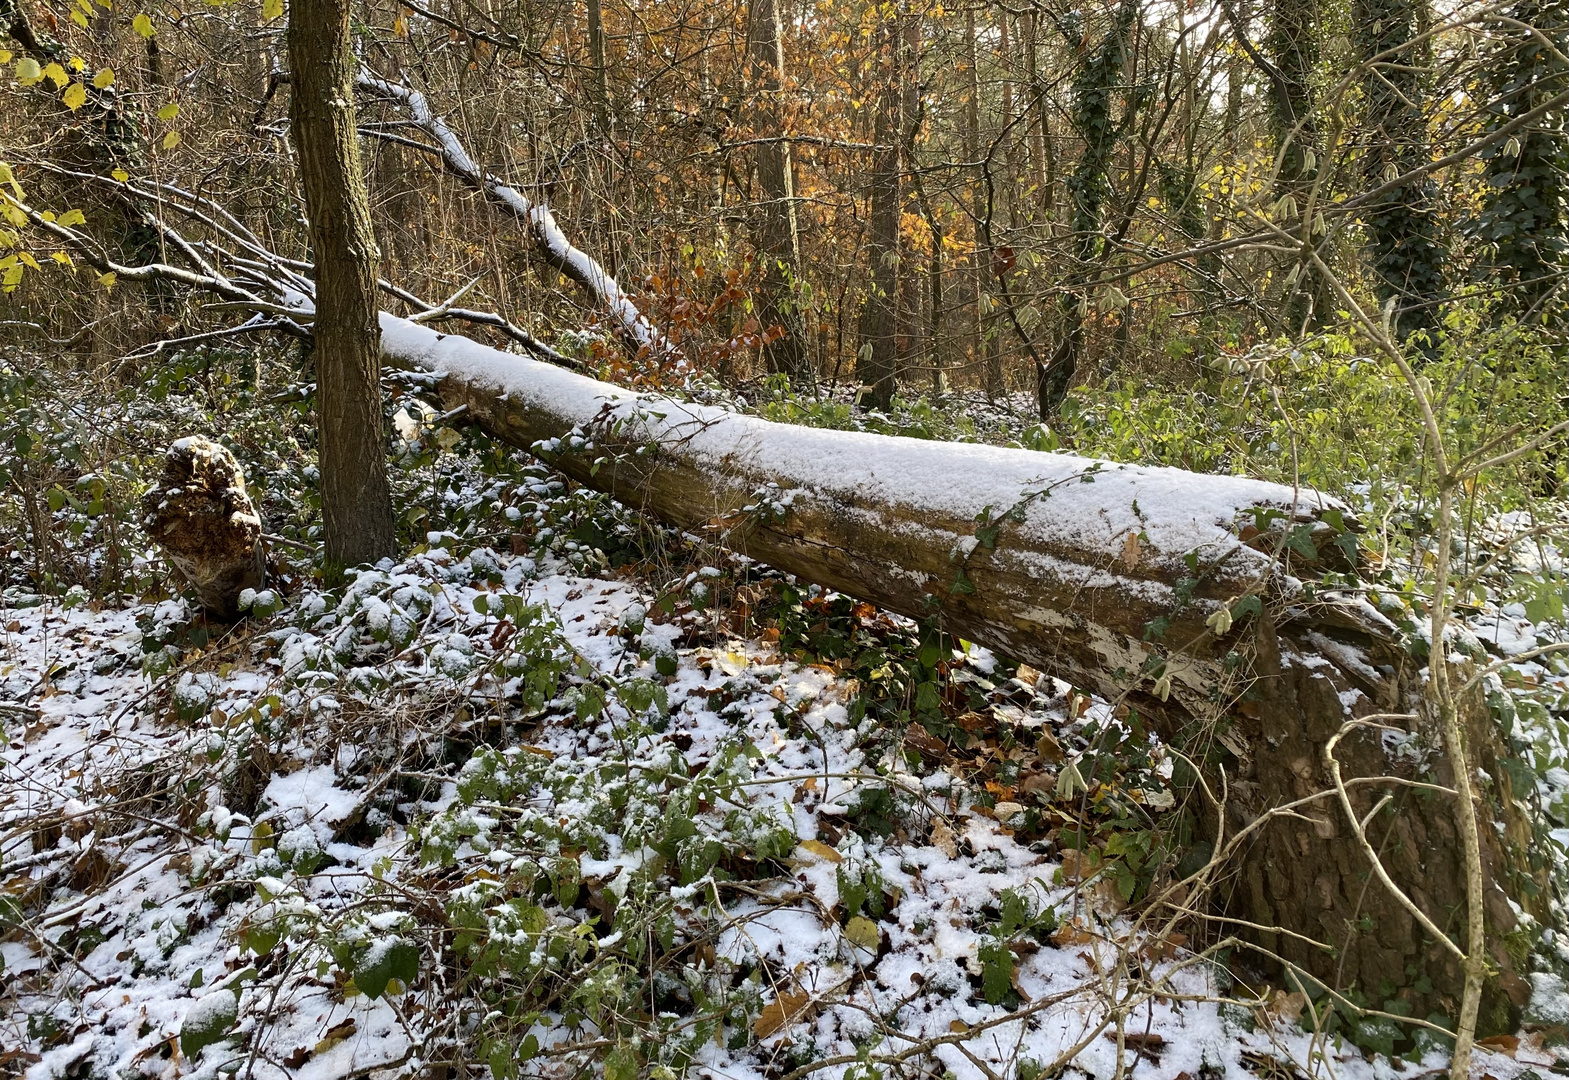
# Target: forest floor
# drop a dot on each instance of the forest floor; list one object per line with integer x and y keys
{"x": 484, "y": 810}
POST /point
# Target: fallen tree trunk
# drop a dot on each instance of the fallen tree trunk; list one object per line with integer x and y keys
{"x": 1170, "y": 593}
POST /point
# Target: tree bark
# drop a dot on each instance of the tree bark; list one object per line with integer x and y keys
{"x": 202, "y": 518}
{"x": 355, "y": 498}
{"x": 1109, "y": 577}
{"x": 777, "y": 229}
{"x": 879, "y": 357}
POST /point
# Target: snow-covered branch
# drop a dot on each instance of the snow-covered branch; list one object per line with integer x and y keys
{"x": 553, "y": 243}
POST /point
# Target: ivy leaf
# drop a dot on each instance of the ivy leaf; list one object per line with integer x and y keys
{"x": 399, "y": 960}
{"x": 208, "y": 1020}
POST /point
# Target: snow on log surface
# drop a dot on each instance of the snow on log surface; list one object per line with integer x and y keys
{"x": 1085, "y": 555}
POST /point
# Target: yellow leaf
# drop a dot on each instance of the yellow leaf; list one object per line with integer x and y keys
{"x": 169, "y": 111}
{"x": 78, "y": 18}
{"x": 73, "y": 217}
{"x": 27, "y": 71}
{"x": 28, "y": 259}
{"x": 822, "y": 851}
{"x": 13, "y": 274}
{"x": 75, "y": 96}
{"x": 171, "y": 140}
{"x": 13, "y": 214}
{"x": 8, "y": 238}
{"x": 107, "y": 280}
{"x": 120, "y": 175}
{"x": 47, "y": 215}
{"x": 777, "y": 1013}
{"x": 143, "y": 26}
{"x": 271, "y": 9}
{"x": 5, "y": 56}
{"x": 105, "y": 4}
{"x": 62, "y": 258}
{"x": 104, "y": 78}
{"x": 56, "y": 74}
{"x": 863, "y": 932}
{"x": 76, "y": 63}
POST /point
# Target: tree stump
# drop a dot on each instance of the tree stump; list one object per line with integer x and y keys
{"x": 201, "y": 516}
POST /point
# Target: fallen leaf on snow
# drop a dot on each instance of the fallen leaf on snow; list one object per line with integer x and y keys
{"x": 822, "y": 850}
{"x": 779, "y": 1012}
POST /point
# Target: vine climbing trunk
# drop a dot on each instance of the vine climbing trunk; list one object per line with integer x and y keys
{"x": 1175, "y": 596}
{"x": 355, "y": 497}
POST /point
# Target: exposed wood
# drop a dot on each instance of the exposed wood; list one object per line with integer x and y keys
{"x": 201, "y": 516}
{"x": 1108, "y": 577}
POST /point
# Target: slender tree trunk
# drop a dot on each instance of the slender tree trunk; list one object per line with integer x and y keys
{"x": 596, "y": 50}
{"x": 355, "y": 499}
{"x": 880, "y": 319}
{"x": 1403, "y": 229}
{"x": 1095, "y": 88}
{"x": 777, "y": 228}
{"x": 974, "y": 275}
{"x": 1292, "y": 44}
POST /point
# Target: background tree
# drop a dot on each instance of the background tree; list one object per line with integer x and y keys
{"x": 1523, "y": 225}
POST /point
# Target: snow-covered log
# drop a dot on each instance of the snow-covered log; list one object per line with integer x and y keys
{"x": 553, "y": 245}
{"x": 1136, "y": 583}
{"x": 202, "y": 517}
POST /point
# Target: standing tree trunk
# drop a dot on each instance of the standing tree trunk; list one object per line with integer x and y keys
{"x": 356, "y": 502}
{"x": 777, "y": 230}
{"x": 1094, "y": 90}
{"x": 880, "y": 320}
{"x": 1292, "y": 45}
{"x": 1408, "y": 258}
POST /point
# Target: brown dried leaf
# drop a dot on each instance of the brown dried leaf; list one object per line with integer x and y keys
{"x": 779, "y": 1012}
{"x": 944, "y": 839}
{"x": 1131, "y": 551}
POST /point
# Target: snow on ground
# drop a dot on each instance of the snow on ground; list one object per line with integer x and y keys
{"x": 278, "y": 792}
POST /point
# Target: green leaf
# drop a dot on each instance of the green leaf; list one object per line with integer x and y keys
{"x": 208, "y": 1020}
{"x": 621, "y": 1064}
{"x": 863, "y": 932}
{"x": 399, "y": 960}
{"x": 996, "y": 971}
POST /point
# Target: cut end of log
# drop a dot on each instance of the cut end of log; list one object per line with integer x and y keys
{"x": 200, "y": 514}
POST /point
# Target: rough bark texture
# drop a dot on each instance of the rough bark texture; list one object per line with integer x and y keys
{"x": 355, "y": 499}
{"x": 201, "y": 516}
{"x": 1098, "y": 574}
